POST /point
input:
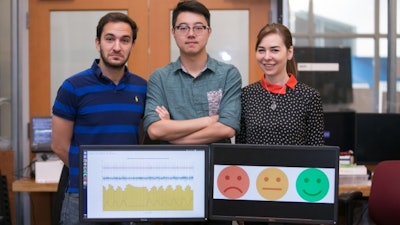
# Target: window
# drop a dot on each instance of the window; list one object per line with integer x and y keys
{"x": 335, "y": 23}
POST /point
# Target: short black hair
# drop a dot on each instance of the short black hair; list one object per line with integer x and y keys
{"x": 116, "y": 17}
{"x": 190, "y": 6}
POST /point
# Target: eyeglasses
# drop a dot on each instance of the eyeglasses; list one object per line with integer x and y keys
{"x": 184, "y": 29}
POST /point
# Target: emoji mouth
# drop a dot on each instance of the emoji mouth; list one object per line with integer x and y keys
{"x": 230, "y": 188}
{"x": 310, "y": 194}
{"x": 272, "y": 189}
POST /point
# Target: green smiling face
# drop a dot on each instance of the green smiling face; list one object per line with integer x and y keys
{"x": 312, "y": 185}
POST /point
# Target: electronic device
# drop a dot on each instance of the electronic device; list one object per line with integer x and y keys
{"x": 339, "y": 129}
{"x": 40, "y": 134}
{"x": 377, "y": 137}
{"x": 143, "y": 183}
{"x": 328, "y": 70}
{"x": 269, "y": 183}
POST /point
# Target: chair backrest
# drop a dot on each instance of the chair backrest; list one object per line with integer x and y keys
{"x": 384, "y": 199}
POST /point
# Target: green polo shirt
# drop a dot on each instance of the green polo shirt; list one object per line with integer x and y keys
{"x": 216, "y": 90}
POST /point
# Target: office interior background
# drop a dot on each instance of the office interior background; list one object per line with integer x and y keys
{"x": 369, "y": 28}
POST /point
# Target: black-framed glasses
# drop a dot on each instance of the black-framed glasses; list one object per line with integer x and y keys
{"x": 184, "y": 29}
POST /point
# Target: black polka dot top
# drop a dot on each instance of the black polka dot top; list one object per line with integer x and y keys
{"x": 296, "y": 119}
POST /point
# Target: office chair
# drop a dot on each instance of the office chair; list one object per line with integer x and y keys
{"x": 384, "y": 199}
{"x": 58, "y": 197}
{"x": 5, "y": 215}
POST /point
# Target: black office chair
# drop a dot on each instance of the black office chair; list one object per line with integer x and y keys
{"x": 347, "y": 200}
{"x": 5, "y": 215}
{"x": 58, "y": 197}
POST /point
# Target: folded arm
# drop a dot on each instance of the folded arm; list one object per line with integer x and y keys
{"x": 167, "y": 130}
{"x": 212, "y": 133}
{"x": 200, "y": 130}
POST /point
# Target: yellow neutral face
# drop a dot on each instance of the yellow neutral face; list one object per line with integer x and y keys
{"x": 272, "y": 183}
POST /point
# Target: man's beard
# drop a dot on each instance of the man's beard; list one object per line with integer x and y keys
{"x": 108, "y": 64}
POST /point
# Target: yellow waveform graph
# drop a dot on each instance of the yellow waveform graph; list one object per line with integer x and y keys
{"x": 142, "y": 199}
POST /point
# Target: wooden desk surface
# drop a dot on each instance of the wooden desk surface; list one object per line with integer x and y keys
{"x": 29, "y": 185}
{"x": 365, "y": 189}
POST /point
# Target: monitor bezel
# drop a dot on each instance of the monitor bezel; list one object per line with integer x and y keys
{"x": 346, "y": 135}
{"x": 290, "y": 149}
{"x": 203, "y": 148}
{"x": 374, "y": 132}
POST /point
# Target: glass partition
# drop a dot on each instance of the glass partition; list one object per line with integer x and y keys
{"x": 5, "y": 75}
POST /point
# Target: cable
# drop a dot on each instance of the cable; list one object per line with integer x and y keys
{"x": 27, "y": 171}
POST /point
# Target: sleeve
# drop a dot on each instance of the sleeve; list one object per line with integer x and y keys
{"x": 230, "y": 108}
{"x": 65, "y": 103}
{"x": 154, "y": 97}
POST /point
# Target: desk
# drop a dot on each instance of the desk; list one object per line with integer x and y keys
{"x": 41, "y": 195}
{"x": 29, "y": 185}
{"x": 365, "y": 189}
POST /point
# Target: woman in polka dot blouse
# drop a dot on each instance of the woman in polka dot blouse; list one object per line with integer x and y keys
{"x": 278, "y": 109}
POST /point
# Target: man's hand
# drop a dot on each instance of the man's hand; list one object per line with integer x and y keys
{"x": 163, "y": 113}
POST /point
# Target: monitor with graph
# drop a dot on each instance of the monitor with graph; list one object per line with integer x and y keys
{"x": 143, "y": 183}
{"x": 284, "y": 184}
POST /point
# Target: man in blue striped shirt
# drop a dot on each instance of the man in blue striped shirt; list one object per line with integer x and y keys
{"x": 101, "y": 105}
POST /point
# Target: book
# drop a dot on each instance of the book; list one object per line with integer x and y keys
{"x": 352, "y": 169}
{"x": 346, "y": 159}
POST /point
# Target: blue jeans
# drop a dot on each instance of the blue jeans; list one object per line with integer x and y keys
{"x": 70, "y": 212}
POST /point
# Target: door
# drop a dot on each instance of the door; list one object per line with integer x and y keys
{"x": 160, "y": 25}
{"x": 39, "y": 41}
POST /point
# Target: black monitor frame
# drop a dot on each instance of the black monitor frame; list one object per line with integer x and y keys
{"x": 335, "y": 87}
{"x": 157, "y": 166}
{"x": 339, "y": 129}
{"x": 377, "y": 137}
{"x": 270, "y": 210}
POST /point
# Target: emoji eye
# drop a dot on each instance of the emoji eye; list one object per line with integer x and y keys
{"x": 266, "y": 179}
{"x": 239, "y": 177}
{"x": 227, "y": 177}
{"x": 306, "y": 180}
{"x": 318, "y": 180}
{"x": 278, "y": 179}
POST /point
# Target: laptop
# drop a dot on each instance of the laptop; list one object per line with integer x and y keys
{"x": 140, "y": 183}
{"x": 265, "y": 183}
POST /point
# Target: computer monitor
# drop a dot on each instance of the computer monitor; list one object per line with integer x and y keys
{"x": 328, "y": 69}
{"x": 377, "y": 137}
{"x": 265, "y": 183}
{"x": 41, "y": 134}
{"x": 339, "y": 129}
{"x": 140, "y": 183}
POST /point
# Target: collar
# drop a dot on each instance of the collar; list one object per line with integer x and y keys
{"x": 278, "y": 89}
{"x": 100, "y": 76}
{"x": 212, "y": 65}
{"x": 184, "y": 69}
